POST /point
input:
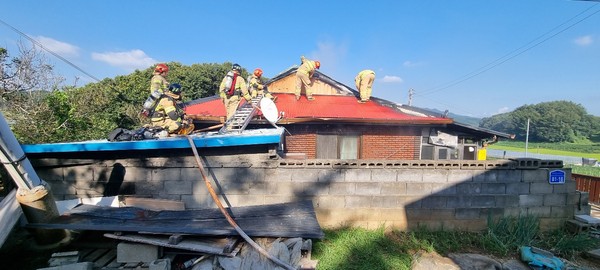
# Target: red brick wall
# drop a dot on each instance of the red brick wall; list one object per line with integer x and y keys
{"x": 377, "y": 142}
{"x": 302, "y": 140}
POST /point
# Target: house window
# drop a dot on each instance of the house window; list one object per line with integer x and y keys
{"x": 337, "y": 146}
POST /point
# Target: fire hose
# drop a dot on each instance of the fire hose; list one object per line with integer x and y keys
{"x": 232, "y": 222}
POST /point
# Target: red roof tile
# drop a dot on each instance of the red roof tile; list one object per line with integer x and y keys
{"x": 323, "y": 107}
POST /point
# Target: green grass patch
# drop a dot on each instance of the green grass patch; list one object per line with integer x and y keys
{"x": 582, "y": 149}
{"x": 355, "y": 248}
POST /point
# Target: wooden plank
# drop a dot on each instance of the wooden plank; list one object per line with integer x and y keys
{"x": 154, "y": 204}
{"x": 288, "y": 220}
{"x": 10, "y": 212}
{"x": 215, "y": 246}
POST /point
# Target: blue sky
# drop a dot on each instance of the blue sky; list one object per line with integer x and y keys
{"x": 475, "y": 58}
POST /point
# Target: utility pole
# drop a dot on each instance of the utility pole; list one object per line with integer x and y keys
{"x": 411, "y": 92}
{"x": 527, "y": 138}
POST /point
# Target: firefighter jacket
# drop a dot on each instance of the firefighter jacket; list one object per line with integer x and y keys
{"x": 158, "y": 82}
{"x": 307, "y": 66}
{"x": 254, "y": 83}
{"x": 168, "y": 107}
{"x": 361, "y": 75}
{"x": 233, "y": 86}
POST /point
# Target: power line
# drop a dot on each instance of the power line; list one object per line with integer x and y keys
{"x": 48, "y": 50}
{"x": 508, "y": 56}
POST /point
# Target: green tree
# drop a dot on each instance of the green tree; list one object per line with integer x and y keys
{"x": 556, "y": 121}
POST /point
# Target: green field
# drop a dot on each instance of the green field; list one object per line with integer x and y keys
{"x": 585, "y": 149}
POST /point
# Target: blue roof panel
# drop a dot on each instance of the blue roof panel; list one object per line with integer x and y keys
{"x": 201, "y": 140}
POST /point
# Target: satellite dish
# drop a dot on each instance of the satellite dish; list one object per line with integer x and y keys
{"x": 269, "y": 110}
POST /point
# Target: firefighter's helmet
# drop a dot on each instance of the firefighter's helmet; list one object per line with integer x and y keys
{"x": 237, "y": 68}
{"x": 160, "y": 68}
{"x": 258, "y": 72}
{"x": 317, "y": 64}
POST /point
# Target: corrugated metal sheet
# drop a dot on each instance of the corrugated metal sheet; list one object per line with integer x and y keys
{"x": 324, "y": 107}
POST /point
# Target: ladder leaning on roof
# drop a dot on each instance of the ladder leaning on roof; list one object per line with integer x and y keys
{"x": 242, "y": 116}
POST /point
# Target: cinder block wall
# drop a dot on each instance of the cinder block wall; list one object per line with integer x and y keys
{"x": 367, "y": 193}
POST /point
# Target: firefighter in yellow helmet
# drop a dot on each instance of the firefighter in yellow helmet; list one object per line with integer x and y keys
{"x": 232, "y": 88}
{"x": 168, "y": 113}
{"x": 304, "y": 76}
{"x": 256, "y": 86}
{"x": 364, "y": 83}
{"x": 158, "y": 81}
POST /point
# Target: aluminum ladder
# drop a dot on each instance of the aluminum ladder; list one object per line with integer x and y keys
{"x": 242, "y": 116}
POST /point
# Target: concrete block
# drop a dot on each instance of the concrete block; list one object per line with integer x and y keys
{"x": 328, "y": 176}
{"x": 517, "y": 188}
{"x": 163, "y": 174}
{"x": 507, "y": 200}
{"x": 330, "y": 201}
{"x": 539, "y": 211}
{"x": 541, "y": 188}
{"x": 461, "y": 176}
{"x": 458, "y": 201}
{"x": 357, "y": 201}
{"x": 555, "y": 199}
{"x": 385, "y": 202}
{"x": 410, "y": 175}
{"x": 485, "y": 176}
{"x": 373, "y": 188}
{"x": 535, "y": 176}
{"x": 135, "y": 253}
{"x": 493, "y": 188}
{"x": 305, "y": 175}
{"x": 527, "y": 163}
{"x": 562, "y": 211}
{"x": 434, "y": 202}
{"x": 467, "y": 213}
{"x": 79, "y": 173}
{"x": 435, "y": 176}
{"x": 178, "y": 187}
{"x": 342, "y": 188}
{"x": 531, "y": 200}
{"x": 277, "y": 175}
{"x": 583, "y": 210}
{"x": 509, "y": 175}
{"x": 443, "y": 189}
{"x": 418, "y": 188}
{"x": 390, "y": 188}
{"x": 468, "y": 188}
{"x": 357, "y": 175}
{"x": 483, "y": 201}
{"x": 285, "y": 188}
{"x": 383, "y": 175}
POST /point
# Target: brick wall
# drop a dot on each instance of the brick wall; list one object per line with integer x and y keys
{"x": 377, "y": 142}
{"x": 368, "y": 193}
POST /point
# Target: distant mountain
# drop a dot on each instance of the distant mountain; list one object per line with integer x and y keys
{"x": 473, "y": 121}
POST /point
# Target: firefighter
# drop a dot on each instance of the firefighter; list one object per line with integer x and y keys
{"x": 232, "y": 88}
{"x": 304, "y": 76}
{"x": 158, "y": 81}
{"x": 364, "y": 83}
{"x": 169, "y": 114}
{"x": 256, "y": 86}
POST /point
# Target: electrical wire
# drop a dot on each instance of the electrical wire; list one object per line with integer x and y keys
{"x": 35, "y": 42}
{"x": 511, "y": 55}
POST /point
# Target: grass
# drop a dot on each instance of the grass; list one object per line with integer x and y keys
{"x": 586, "y": 150}
{"x": 355, "y": 248}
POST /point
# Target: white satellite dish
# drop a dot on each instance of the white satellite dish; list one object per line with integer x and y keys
{"x": 269, "y": 110}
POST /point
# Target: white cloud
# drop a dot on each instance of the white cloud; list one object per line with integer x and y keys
{"x": 131, "y": 60}
{"x": 584, "y": 40}
{"x": 392, "y": 79}
{"x": 61, "y": 48}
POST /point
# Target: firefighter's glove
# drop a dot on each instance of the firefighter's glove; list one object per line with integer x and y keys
{"x": 222, "y": 94}
{"x": 254, "y": 93}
